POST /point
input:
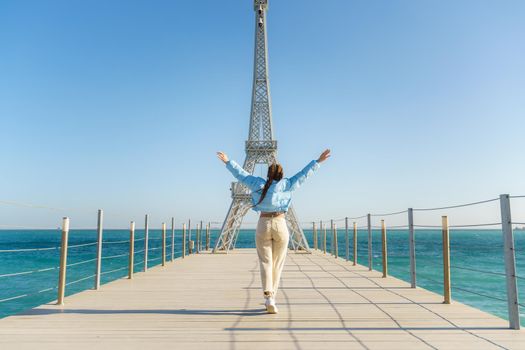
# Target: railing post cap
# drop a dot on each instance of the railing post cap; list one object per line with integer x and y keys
{"x": 65, "y": 223}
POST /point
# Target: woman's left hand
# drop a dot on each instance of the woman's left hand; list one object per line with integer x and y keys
{"x": 222, "y": 156}
{"x": 324, "y": 156}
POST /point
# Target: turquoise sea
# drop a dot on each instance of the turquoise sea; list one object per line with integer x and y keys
{"x": 476, "y": 260}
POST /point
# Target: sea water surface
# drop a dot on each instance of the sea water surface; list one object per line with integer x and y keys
{"x": 476, "y": 256}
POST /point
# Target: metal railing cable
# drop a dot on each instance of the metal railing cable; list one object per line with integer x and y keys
{"x": 28, "y": 294}
{"x": 390, "y": 214}
{"x": 116, "y": 242}
{"x": 458, "y": 226}
{"x": 114, "y": 256}
{"x": 336, "y": 220}
{"x": 28, "y": 272}
{"x": 476, "y": 270}
{"x": 28, "y": 249}
{"x": 79, "y": 280}
{"x": 81, "y": 245}
{"x": 81, "y": 262}
{"x": 475, "y": 225}
{"x": 358, "y": 217}
{"x": 477, "y": 293}
{"x": 416, "y": 209}
{"x": 115, "y": 270}
{"x": 429, "y": 279}
{"x": 520, "y": 196}
{"x": 465, "y": 290}
{"x": 457, "y": 206}
{"x": 427, "y": 262}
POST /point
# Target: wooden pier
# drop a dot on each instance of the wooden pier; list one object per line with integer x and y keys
{"x": 214, "y": 301}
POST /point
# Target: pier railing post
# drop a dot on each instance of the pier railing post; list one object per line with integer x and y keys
{"x": 98, "y": 267}
{"x": 314, "y": 232}
{"x": 510, "y": 262}
{"x": 197, "y": 234}
{"x": 199, "y": 231}
{"x": 336, "y": 253}
{"x": 384, "y": 249}
{"x": 183, "y": 240}
{"x": 324, "y": 237}
{"x": 146, "y": 239}
{"x": 412, "y": 247}
{"x": 347, "y": 241}
{"x": 369, "y": 223}
{"x": 333, "y": 235}
{"x": 208, "y": 236}
{"x": 131, "y": 249}
{"x": 355, "y": 243}
{"x": 189, "y": 236}
{"x": 63, "y": 262}
{"x": 172, "y": 239}
{"x": 446, "y": 259}
{"x": 163, "y": 244}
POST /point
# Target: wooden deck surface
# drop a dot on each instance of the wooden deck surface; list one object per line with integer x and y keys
{"x": 215, "y": 302}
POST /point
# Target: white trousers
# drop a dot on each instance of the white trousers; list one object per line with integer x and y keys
{"x": 271, "y": 240}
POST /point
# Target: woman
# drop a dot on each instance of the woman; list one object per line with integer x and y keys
{"x": 272, "y": 198}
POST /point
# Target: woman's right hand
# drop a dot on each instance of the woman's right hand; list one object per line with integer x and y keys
{"x": 222, "y": 156}
{"x": 324, "y": 156}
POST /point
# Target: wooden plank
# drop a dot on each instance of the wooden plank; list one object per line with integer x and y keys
{"x": 209, "y": 300}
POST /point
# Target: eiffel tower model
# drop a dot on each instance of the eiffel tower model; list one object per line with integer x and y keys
{"x": 261, "y": 148}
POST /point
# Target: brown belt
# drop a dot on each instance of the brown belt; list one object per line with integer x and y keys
{"x": 271, "y": 214}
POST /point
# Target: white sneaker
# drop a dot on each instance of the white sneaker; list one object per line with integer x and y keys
{"x": 271, "y": 308}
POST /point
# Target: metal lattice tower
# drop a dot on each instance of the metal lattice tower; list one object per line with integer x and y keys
{"x": 261, "y": 148}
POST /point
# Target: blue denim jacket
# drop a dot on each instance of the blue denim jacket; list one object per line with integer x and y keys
{"x": 279, "y": 193}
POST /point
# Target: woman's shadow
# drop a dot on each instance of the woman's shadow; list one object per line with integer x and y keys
{"x": 217, "y": 312}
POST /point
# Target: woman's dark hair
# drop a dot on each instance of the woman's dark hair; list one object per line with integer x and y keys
{"x": 275, "y": 172}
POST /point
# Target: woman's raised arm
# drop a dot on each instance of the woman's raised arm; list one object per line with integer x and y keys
{"x": 252, "y": 182}
{"x": 296, "y": 180}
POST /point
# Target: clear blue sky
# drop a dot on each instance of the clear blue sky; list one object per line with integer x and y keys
{"x": 122, "y": 105}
